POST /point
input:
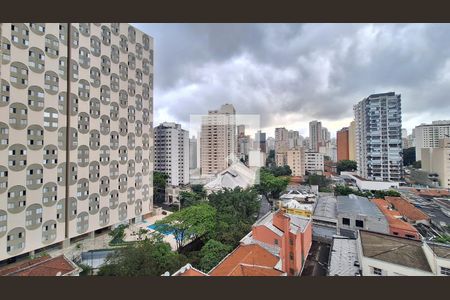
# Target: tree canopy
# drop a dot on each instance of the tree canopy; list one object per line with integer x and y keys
{"x": 270, "y": 184}
{"x": 189, "y": 223}
{"x": 211, "y": 254}
{"x": 409, "y": 156}
{"x": 159, "y": 184}
{"x": 150, "y": 257}
{"x": 346, "y": 165}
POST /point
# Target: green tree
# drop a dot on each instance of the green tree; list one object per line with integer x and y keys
{"x": 199, "y": 190}
{"x": 346, "y": 165}
{"x": 270, "y": 184}
{"x": 212, "y": 253}
{"x": 417, "y": 164}
{"x": 189, "y": 198}
{"x": 159, "y": 184}
{"x": 409, "y": 156}
{"x": 189, "y": 223}
{"x": 319, "y": 180}
{"x": 444, "y": 239}
{"x": 236, "y": 211}
{"x": 150, "y": 257}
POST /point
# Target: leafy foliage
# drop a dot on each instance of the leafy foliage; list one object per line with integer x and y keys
{"x": 159, "y": 184}
{"x": 189, "y": 223}
{"x": 319, "y": 180}
{"x": 270, "y": 184}
{"x": 117, "y": 234}
{"x": 409, "y": 156}
{"x": 236, "y": 211}
{"x": 417, "y": 164}
{"x": 150, "y": 257}
{"x": 212, "y": 253}
{"x": 280, "y": 171}
{"x": 346, "y": 165}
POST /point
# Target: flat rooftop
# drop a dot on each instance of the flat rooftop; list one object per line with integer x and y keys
{"x": 326, "y": 207}
{"x": 441, "y": 250}
{"x": 344, "y": 254}
{"x": 395, "y": 250}
{"x": 357, "y": 205}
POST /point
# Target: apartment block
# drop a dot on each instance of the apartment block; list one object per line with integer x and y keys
{"x": 428, "y": 135}
{"x": 193, "y": 152}
{"x": 218, "y": 146}
{"x": 437, "y": 160}
{"x": 378, "y": 120}
{"x": 281, "y": 146}
{"x": 342, "y": 140}
{"x": 351, "y": 141}
{"x": 315, "y": 135}
{"x": 76, "y": 138}
{"x": 314, "y": 162}
{"x": 172, "y": 152}
{"x": 296, "y": 161}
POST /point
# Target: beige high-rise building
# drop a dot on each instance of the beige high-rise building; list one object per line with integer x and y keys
{"x": 70, "y": 165}
{"x": 296, "y": 161}
{"x": 351, "y": 141}
{"x": 437, "y": 160}
{"x": 315, "y": 135}
{"x": 281, "y": 146}
{"x": 429, "y": 135}
{"x": 218, "y": 142}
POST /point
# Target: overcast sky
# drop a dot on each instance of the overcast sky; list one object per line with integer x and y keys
{"x": 291, "y": 74}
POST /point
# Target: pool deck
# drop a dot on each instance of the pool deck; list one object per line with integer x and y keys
{"x": 131, "y": 231}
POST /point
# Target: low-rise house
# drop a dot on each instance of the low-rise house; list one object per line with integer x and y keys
{"x": 236, "y": 175}
{"x": 397, "y": 226}
{"x": 355, "y": 213}
{"x": 325, "y": 219}
{"x": 411, "y": 213}
{"x": 42, "y": 266}
{"x": 369, "y": 185}
{"x": 387, "y": 255}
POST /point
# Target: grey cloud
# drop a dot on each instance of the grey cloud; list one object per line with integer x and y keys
{"x": 316, "y": 71}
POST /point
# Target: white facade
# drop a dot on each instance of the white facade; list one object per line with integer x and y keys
{"x": 80, "y": 163}
{"x": 314, "y": 161}
{"x": 378, "y": 137}
{"x": 428, "y": 135}
{"x": 172, "y": 152}
{"x": 368, "y": 185}
{"x": 437, "y": 160}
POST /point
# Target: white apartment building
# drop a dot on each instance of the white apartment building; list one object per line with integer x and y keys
{"x": 76, "y": 138}
{"x": 428, "y": 135}
{"x": 378, "y": 120}
{"x": 296, "y": 161}
{"x": 314, "y": 162}
{"x": 218, "y": 143}
{"x": 172, "y": 152}
{"x": 437, "y": 160}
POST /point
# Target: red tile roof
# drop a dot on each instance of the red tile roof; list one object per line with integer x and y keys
{"x": 41, "y": 266}
{"x": 392, "y": 216}
{"x": 406, "y": 209}
{"x": 248, "y": 260}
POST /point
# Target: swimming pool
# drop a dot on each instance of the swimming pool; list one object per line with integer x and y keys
{"x": 153, "y": 227}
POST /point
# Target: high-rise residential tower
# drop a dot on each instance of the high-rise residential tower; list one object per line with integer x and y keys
{"x": 315, "y": 135}
{"x": 378, "y": 120}
{"x": 193, "y": 153}
{"x": 218, "y": 143}
{"x": 260, "y": 140}
{"x": 342, "y": 140}
{"x": 76, "y": 135}
{"x": 281, "y": 145}
{"x": 429, "y": 135}
{"x": 172, "y": 152}
{"x": 351, "y": 141}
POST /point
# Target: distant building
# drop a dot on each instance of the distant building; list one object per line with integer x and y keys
{"x": 369, "y": 185}
{"x": 294, "y": 139}
{"x": 172, "y": 152}
{"x": 408, "y": 211}
{"x": 437, "y": 160}
{"x": 397, "y": 226}
{"x": 270, "y": 143}
{"x": 281, "y": 146}
{"x": 315, "y": 135}
{"x": 296, "y": 161}
{"x": 378, "y": 120}
{"x": 427, "y": 136}
{"x": 193, "y": 162}
{"x": 387, "y": 255}
{"x": 218, "y": 146}
{"x": 355, "y": 213}
{"x": 342, "y": 139}
{"x": 260, "y": 139}
{"x": 314, "y": 162}
{"x": 351, "y": 141}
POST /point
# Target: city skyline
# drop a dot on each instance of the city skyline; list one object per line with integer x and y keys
{"x": 319, "y": 73}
